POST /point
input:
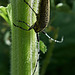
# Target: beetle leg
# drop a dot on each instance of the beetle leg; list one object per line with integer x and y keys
{"x": 20, "y": 27}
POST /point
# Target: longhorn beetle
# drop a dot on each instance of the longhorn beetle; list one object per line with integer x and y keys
{"x": 42, "y": 21}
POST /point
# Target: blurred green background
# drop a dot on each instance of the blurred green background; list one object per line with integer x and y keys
{"x": 62, "y": 59}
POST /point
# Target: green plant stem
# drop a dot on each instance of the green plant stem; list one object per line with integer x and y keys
{"x": 24, "y": 53}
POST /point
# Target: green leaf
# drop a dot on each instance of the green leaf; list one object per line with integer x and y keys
{"x": 9, "y": 12}
{"x": 5, "y": 13}
{"x": 3, "y": 10}
{"x": 43, "y": 47}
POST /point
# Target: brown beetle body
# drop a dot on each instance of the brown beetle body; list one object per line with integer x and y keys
{"x": 42, "y": 16}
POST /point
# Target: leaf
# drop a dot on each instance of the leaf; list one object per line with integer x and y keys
{"x": 3, "y": 10}
{"x": 43, "y": 47}
{"x": 9, "y": 12}
{"x": 5, "y": 13}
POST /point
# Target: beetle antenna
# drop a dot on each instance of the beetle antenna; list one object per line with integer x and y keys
{"x": 52, "y": 38}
